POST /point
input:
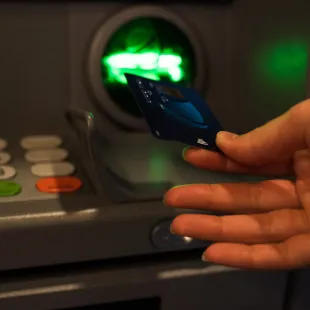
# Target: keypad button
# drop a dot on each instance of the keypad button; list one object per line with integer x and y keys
{"x": 59, "y": 185}
{"x": 7, "y": 172}
{"x": 3, "y": 144}
{"x": 48, "y": 155}
{"x": 53, "y": 169}
{"x": 9, "y": 189}
{"x": 41, "y": 142}
{"x": 5, "y": 158}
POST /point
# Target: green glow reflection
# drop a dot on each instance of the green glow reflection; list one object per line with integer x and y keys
{"x": 284, "y": 64}
{"x": 158, "y": 165}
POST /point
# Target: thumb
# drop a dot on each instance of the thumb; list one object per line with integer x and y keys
{"x": 276, "y": 140}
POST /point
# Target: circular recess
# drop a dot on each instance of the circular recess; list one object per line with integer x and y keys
{"x": 147, "y": 41}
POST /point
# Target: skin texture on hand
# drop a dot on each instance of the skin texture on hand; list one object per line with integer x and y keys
{"x": 269, "y": 222}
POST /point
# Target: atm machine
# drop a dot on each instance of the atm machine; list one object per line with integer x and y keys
{"x": 82, "y": 223}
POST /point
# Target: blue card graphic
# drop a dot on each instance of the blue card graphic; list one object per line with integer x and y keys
{"x": 175, "y": 113}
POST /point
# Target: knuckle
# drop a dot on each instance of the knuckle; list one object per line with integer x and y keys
{"x": 305, "y": 223}
{"x": 209, "y": 190}
{"x": 271, "y": 226}
{"x": 256, "y": 195}
{"x": 252, "y": 140}
{"x": 221, "y": 234}
{"x": 300, "y": 111}
{"x": 269, "y": 229}
{"x": 254, "y": 145}
{"x": 177, "y": 225}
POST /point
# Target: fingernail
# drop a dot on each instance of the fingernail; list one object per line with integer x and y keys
{"x": 225, "y": 135}
{"x": 171, "y": 196}
{"x": 185, "y": 151}
{"x": 188, "y": 149}
{"x": 204, "y": 259}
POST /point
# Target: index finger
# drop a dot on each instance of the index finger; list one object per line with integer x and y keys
{"x": 217, "y": 162}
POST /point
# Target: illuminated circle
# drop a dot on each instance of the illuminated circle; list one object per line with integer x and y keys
{"x": 147, "y": 41}
{"x": 149, "y": 47}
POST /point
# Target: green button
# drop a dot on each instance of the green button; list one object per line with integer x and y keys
{"x": 9, "y": 189}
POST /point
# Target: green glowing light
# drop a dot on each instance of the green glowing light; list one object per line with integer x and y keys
{"x": 150, "y": 47}
{"x": 149, "y": 64}
{"x": 284, "y": 63}
{"x": 157, "y": 165}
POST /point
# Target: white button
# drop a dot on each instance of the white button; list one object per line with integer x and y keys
{"x": 7, "y": 172}
{"x": 41, "y": 142}
{"x": 5, "y": 157}
{"x": 48, "y": 155}
{"x": 3, "y": 144}
{"x": 53, "y": 169}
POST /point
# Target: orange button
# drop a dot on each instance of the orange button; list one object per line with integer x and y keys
{"x": 59, "y": 185}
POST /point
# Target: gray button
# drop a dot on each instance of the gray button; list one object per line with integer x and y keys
{"x": 3, "y": 144}
{"x": 47, "y": 155}
{"x": 7, "y": 172}
{"x": 41, "y": 142}
{"x": 5, "y": 158}
{"x": 53, "y": 169}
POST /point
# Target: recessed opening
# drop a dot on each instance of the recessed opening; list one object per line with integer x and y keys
{"x": 150, "y": 47}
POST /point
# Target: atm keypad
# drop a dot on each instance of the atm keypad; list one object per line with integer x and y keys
{"x": 45, "y": 168}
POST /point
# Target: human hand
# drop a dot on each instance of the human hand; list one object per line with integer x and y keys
{"x": 270, "y": 225}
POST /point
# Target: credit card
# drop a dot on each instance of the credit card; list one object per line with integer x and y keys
{"x": 175, "y": 113}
